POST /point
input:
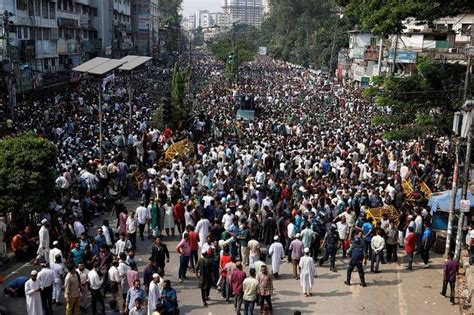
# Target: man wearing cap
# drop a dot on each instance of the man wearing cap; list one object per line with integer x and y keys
{"x": 204, "y": 273}
{"x": 43, "y": 247}
{"x": 297, "y": 250}
{"x": 55, "y": 251}
{"x": 154, "y": 294}
{"x": 33, "y": 295}
{"x": 227, "y": 219}
{"x": 276, "y": 252}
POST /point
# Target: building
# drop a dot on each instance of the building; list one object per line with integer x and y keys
{"x": 33, "y": 40}
{"x": 145, "y": 26}
{"x": 246, "y": 11}
{"x": 218, "y": 19}
{"x": 76, "y": 37}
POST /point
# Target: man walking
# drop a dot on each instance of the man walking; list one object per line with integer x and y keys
{"x": 204, "y": 274}
{"x": 43, "y": 247}
{"x": 72, "y": 291}
{"x": 297, "y": 250}
{"x": 142, "y": 219}
{"x": 426, "y": 244}
{"x": 356, "y": 254}
{"x": 331, "y": 242}
{"x": 237, "y": 278}
{"x": 160, "y": 255}
{"x": 307, "y": 272}
{"x": 451, "y": 268}
{"x": 250, "y": 288}
{"x": 410, "y": 243}
{"x": 95, "y": 284}
{"x": 276, "y": 252}
{"x": 184, "y": 251}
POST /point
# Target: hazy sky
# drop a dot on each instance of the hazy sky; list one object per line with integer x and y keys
{"x": 190, "y": 6}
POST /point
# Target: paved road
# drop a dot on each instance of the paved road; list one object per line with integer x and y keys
{"x": 393, "y": 291}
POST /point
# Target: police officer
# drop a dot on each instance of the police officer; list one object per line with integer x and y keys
{"x": 331, "y": 242}
{"x": 356, "y": 254}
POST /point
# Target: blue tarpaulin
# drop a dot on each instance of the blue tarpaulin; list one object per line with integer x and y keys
{"x": 441, "y": 201}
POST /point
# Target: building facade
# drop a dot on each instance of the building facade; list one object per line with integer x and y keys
{"x": 145, "y": 26}
{"x": 246, "y": 11}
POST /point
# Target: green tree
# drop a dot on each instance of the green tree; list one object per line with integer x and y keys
{"x": 388, "y": 16}
{"x": 306, "y": 32}
{"x": 170, "y": 19}
{"x": 27, "y": 175}
{"x": 178, "y": 110}
{"x": 422, "y": 103}
{"x": 198, "y": 37}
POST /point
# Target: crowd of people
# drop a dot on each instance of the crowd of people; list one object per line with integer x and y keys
{"x": 295, "y": 184}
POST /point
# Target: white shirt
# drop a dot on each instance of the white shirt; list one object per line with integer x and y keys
{"x": 78, "y": 228}
{"x": 291, "y": 230}
{"x": 227, "y": 220}
{"x": 106, "y": 232}
{"x": 52, "y": 254}
{"x": 342, "y": 229}
{"x": 418, "y": 224}
{"x": 207, "y": 200}
{"x": 131, "y": 225}
{"x": 377, "y": 243}
{"x": 122, "y": 246}
{"x": 45, "y": 277}
{"x": 94, "y": 280}
{"x": 141, "y": 215}
{"x": 114, "y": 275}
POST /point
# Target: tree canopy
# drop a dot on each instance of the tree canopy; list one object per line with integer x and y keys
{"x": 387, "y": 16}
{"x": 27, "y": 175}
{"x": 307, "y": 32}
{"x": 422, "y": 103}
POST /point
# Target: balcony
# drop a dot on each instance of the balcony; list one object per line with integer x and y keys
{"x": 68, "y": 23}
{"x": 371, "y": 54}
{"x": 68, "y": 46}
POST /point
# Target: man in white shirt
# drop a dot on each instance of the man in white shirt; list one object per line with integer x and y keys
{"x": 55, "y": 251}
{"x": 122, "y": 245}
{"x": 343, "y": 230}
{"x": 46, "y": 279}
{"x": 116, "y": 280}
{"x": 132, "y": 229}
{"x": 227, "y": 219}
{"x": 84, "y": 282}
{"x": 78, "y": 227}
{"x": 202, "y": 228}
{"x": 106, "y": 232}
{"x": 95, "y": 283}
{"x": 207, "y": 199}
{"x": 142, "y": 219}
{"x": 377, "y": 244}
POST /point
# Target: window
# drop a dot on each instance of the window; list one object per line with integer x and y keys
{"x": 45, "y": 63}
{"x": 46, "y": 34}
{"x": 19, "y": 33}
{"x": 466, "y": 30}
{"x": 21, "y": 4}
{"x": 60, "y": 4}
{"x": 52, "y": 10}
{"x": 44, "y": 8}
{"x": 37, "y": 7}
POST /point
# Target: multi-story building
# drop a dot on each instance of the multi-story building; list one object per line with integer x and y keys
{"x": 246, "y": 11}
{"x": 33, "y": 38}
{"x": 218, "y": 19}
{"x": 145, "y": 26}
{"x": 76, "y": 36}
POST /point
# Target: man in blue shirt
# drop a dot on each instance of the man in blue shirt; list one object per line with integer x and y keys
{"x": 16, "y": 287}
{"x": 426, "y": 244}
{"x": 135, "y": 292}
{"x": 367, "y": 231}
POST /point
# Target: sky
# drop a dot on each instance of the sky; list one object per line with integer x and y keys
{"x": 190, "y": 6}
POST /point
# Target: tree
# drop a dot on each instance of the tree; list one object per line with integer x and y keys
{"x": 27, "y": 174}
{"x": 178, "y": 110}
{"x": 422, "y": 103}
{"x": 306, "y": 32}
{"x": 170, "y": 19}
{"x": 198, "y": 37}
{"x": 387, "y": 16}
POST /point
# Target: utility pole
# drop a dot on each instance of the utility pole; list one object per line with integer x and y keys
{"x": 452, "y": 205}
{"x": 10, "y": 77}
{"x": 379, "y": 68}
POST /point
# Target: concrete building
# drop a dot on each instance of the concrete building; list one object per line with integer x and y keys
{"x": 77, "y": 38}
{"x": 218, "y": 19}
{"x": 145, "y": 26}
{"x": 247, "y": 11}
{"x": 33, "y": 39}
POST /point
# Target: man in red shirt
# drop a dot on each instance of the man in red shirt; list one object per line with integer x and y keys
{"x": 194, "y": 244}
{"x": 410, "y": 244}
{"x": 178, "y": 213}
{"x": 237, "y": 277}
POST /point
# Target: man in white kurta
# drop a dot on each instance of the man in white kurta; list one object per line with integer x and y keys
{"x": 202, "y": 228}
{"x": 154, "y": 294}
{"x": 307, "y": 272}
{"x": 277, "y": 252}
{"x": 43, "y": 247}
{"x": 33, "y": 295}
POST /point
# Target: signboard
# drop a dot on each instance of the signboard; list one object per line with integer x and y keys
{"x": 364, "y": 82}
{"x": 262, "y": 51}
{"x": 143, "y": 23}
{"x": 403, "y": 56}
{"x": 108, "y": 51}
{"x": 465, "y": 205}
{"x": 107, "y": 80}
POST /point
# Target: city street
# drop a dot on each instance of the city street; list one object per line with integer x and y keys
{"x": 393, "y": 291}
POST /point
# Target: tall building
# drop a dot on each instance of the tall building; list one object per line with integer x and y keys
{"x": 76, "y": 36}
{"x": 33, "y": 38}
{"x": 145, "y": 26}
{"x": 246, "y": 11}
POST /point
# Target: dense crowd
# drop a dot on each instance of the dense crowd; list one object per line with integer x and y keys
{"x": 294, "y": 184}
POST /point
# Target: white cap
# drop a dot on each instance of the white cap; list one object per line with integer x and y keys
{"x": 33, "y": 273}
{"x": 227, "y": 210}
{"x": 155, "y": 275}
{"x": 306, "y": 250}
{"x": 276, "y": 238}
{"x": 298, "y": 235}
{"x": 55, "y": 243}
{"x": 44, "y": 221}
